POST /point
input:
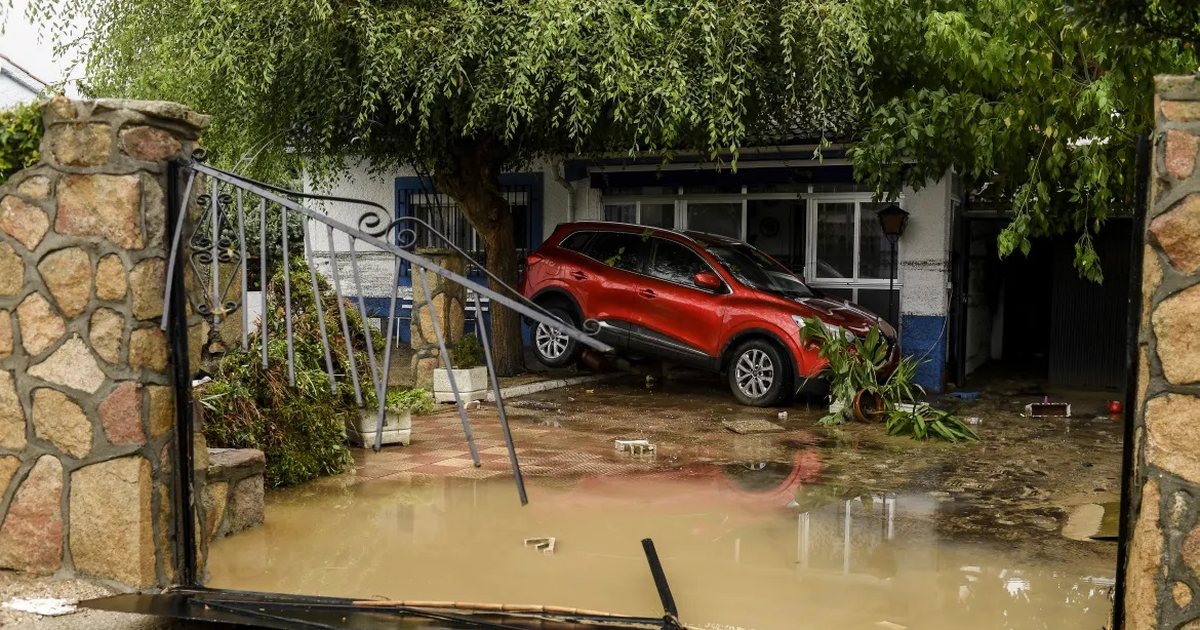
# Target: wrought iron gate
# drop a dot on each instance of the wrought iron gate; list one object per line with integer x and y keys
{"x": 213, "y": 217}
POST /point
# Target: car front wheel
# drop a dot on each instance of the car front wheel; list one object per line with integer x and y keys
{"x": 758, "y": 374}
{"x": 551, "y": 346}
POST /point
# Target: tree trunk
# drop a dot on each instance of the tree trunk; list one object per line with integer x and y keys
{"x": 473, "y": 180}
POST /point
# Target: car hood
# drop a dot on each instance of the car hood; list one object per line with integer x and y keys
{"x": 846, "y": 314}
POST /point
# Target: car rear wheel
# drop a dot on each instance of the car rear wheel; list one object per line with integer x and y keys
{"x": 551, "y": 346}
{"x": 758, "y": 374}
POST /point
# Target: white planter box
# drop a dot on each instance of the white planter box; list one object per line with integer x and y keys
{"x": 397, "y": 428}
{"x": 472, "y": 384}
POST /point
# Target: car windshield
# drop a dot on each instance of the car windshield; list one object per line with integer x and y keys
{"x": 758, "y": 270}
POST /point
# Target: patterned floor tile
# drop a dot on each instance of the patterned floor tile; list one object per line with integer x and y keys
{"x": 433, "y": 469}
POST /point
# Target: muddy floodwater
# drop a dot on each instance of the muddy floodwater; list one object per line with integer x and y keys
{"x": 760, "y": 546}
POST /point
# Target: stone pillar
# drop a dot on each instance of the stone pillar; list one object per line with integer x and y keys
{"x": 86, "y": 410}
{"x": 448, "y": 303}
{"x": 1163, "y": 568}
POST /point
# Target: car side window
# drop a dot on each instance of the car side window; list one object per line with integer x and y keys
{"x": 676, "y": 263}
{"x": 576, "y": 242}
{"x": 622, "y": 250}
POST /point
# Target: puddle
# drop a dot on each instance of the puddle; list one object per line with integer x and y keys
{"x": 743, "y": 545}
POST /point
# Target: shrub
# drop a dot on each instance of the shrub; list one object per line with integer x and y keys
{"x": 301, "y": 429}
{"x": 467, "y": 353}
{"x": 20, "y": 135}
{"x": 418, "y": 401}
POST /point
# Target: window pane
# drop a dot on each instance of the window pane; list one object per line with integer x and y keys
{"x": 835, "y": 240}
{"x": 777, "y": 227}
{"x": 876, "y": 301}
{"x": 621, "y": 212}
{"x": 675, "y": 263}
{"x": 576, "y": 242}
{"x": 837, "y": 294}
{"x": 620, "y": 250}
{"x": 659, "y": 215}
{"x": 715, "y": 218}
{"x": 874, "y": 251}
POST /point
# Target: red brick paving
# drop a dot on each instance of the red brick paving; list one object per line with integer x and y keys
{"x": 439, "y": 448}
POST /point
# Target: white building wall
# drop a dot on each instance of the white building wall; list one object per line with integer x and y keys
{"x": 14, "y": 92}
{"x": 924, "y": 258}
{"x": 376, "y": 269}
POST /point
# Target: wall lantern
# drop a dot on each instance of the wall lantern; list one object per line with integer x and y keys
{"x": 893, "y": 219}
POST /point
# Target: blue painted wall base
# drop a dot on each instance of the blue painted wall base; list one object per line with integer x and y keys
{"x": 923, "y": 337}
{"x": 378, "y": 307}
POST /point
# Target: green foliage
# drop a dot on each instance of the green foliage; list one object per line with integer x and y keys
{"x": 467, "y": 352}
{"x": 294, "y": 83}
{"x": 855, "y": 364}
{"x": 418, "y": 401}
{"x": 1022, "y": 95}
{"x": 1146, "y": 20}
{"x": 20, "y": 135}
{"x": 302, "y": 429}
{"x": 924, "y": 422}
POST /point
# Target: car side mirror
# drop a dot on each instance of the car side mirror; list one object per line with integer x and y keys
{"x": 707, "y": 280}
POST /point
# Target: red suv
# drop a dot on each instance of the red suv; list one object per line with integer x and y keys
{"x": 690, "y": 298}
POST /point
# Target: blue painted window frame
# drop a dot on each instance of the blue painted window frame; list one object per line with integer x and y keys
{"x": 406, "y": 186}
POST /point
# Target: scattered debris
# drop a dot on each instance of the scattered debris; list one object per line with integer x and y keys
{"x": 650, "y": 382}
{"x": 46, "y": 607}
{"x": 533, "y": 404}
{"x": 471, "y": 405}
{"x": 636, "y": 447}
{"x": 1047, "y": 409}
{"x": 589, "y": 391}
{"x": 544, "y": 544}
{"x": 974, "y": 421}
{"x": 757, "y": 425}
{"x": 783, "y": 416}
{"x": 964, "y": 395}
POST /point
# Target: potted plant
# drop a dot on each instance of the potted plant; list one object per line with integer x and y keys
{"x": 398, "y": 410}
{"x": 466, "y": 363}
{"x": 854, "y": 362}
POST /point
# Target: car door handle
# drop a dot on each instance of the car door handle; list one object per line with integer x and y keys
{"x": 647, "y": 293}
{"x": 579, "y": 275}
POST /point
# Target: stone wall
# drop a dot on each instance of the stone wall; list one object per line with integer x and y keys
{"x": 86, "y": 410}
{"x": 1163, "y": 568}
{"x": 233, "y": 491}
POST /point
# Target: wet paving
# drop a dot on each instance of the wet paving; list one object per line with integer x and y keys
{"x": 804, "y": 528}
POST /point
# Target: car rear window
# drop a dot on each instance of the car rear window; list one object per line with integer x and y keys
{"x": 622, "y": 250}
{"x": 577, "y": 242}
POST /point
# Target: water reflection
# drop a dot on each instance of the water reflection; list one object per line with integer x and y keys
{"x": 745, "y": 545}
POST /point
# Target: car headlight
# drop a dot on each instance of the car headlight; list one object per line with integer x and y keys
{"x": 833, "y": 329}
